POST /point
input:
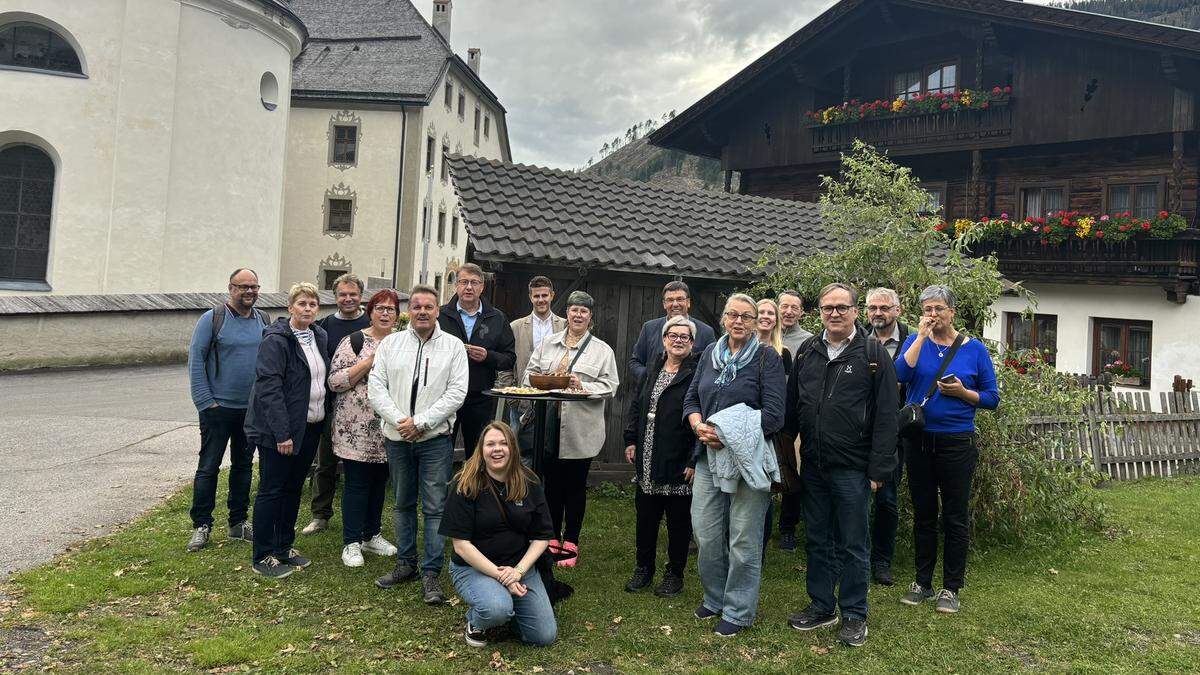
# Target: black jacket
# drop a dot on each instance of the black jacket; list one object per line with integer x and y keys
{"x": 673, "y": 438}
{"x": 845, "y": 415}
{"x": 904, "y": 331}
{"x": 278, "y": 407}
{"x": 493, "y": 333}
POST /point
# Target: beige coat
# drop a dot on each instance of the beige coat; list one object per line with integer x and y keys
{"x": 581, "y": 434}
{"x": 522, "y": 329}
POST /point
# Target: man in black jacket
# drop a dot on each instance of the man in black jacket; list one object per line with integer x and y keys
{"x": 843, "y": 403}
{"x": 883, "y": 314}
{"x": 490, "y": 345}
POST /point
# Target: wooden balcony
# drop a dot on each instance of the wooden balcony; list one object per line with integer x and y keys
{"x": 1170, "y": 264}
{"x": 915, "y": 134}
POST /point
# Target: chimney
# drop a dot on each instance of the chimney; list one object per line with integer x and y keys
{"x": 473, "y": 56}
{"x": 441, "y": 17}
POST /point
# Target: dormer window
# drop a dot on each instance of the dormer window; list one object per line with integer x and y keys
{"x": 934, "y": 78}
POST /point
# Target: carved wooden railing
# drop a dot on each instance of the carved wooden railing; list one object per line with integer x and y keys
{"x": 908, "y": 131}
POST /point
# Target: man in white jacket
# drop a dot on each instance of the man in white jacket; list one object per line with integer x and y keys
{"x": 418, "y": 382}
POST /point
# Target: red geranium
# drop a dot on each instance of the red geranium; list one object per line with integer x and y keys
{"x": 1163, "y": 214}
{"x": 1008, "y": 90}
{"x": 1099, "y": 234}
{"x": 1145, "y": 226}
{"x": 996, "y": 90}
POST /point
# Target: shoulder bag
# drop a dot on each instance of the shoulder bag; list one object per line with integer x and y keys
{"x": 912, "y": 415}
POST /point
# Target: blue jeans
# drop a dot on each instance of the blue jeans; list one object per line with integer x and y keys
{"x": 420, "y": 468}
{"x": 362, "y": 500}
{"x": 729, "y": 533}
{"x": 836, "y": 515}
{"x": 489, "y": 604}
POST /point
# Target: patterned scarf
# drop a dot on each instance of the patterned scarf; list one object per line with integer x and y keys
{"x": 726, "y": 364}
{"x": 304, "y": 336}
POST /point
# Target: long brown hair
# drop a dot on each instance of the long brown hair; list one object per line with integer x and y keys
{"x": 473, "y": 475}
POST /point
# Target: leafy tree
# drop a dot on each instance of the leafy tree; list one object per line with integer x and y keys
{"x": 875, "y": 210}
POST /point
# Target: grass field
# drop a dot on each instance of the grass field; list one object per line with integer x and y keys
{"x": 1126, "y": 600}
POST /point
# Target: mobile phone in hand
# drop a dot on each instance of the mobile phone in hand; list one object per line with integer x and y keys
{"x": 949, "y": 379}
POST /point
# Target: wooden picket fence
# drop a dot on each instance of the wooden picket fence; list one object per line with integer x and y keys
{"x": 1122, "y": 437}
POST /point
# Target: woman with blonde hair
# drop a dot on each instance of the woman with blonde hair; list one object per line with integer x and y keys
{"x": 284, "y": 421}
{"x": 770, "y": 331}
{"x": 499, "y": 525}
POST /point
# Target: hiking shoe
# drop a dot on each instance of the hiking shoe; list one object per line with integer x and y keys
{"x": 474, "y": 636}
{"x": 882, "y": 574}
{"x": 241, "y": 532}
{"x": 199, "y": 538}
{"x": 431, "y": 590}
{"x": 400, "y": 573}
{"x": 670, "y": 586}
{"x": 947, "y": 601}
{"x": 317, "y": 525}
{"x": 642, "y": 577}
{"x": 703, "y": 612}
{"x": 379, "y": 546}
{"x": 272, "y": 568}
{"x": 811, "y": 618}
{"x": 787, "y": 541}
{"x": 726, "y": 629}
{"x": 853, "y": 632}
{"x": 916, "y": 594}
{"x": 352, "y": 555}
{"x": 296, "y": 560}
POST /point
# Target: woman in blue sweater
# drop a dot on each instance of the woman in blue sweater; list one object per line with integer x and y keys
{"x": 942, "y": 458}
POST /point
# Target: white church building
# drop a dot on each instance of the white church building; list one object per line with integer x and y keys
{"x": 152, "y": 146}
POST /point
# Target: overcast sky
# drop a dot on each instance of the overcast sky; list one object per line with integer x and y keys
{"x": 573, "y": 74}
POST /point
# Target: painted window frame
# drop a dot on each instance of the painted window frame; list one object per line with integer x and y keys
{"x": 1036, "y": 341}
{"x": 1098, "y": 358}
{"x": 329, "y": 199}
{"x": 333, "y": 143}
{"x": 926, "y": 69}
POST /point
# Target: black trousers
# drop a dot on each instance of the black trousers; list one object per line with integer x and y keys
{"x": 791, "y": 504}
{"x": 280, "y": 482}
{"x": 221, "y": 427}
{"x": 325, "y": 475}
{"x": 475, "y": 414}
{"x": 362, "y": 500}
{"x": 650, "y": 511}
{"x": 941, "y": 464}
{"x": 566, "y": 495}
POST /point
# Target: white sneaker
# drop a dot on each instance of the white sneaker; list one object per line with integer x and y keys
{"x": 379, "y": 546}
{"x": 352, "y": 555}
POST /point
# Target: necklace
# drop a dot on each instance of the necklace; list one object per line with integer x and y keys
{"x": 570, "y": 340}
{"x": 941, "y": 350}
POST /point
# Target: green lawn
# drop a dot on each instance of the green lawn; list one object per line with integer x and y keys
{"x": 134, "y": 601}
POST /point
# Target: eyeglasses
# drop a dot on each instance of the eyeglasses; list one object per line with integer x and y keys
{"x": 679, "y": 337}
{"x": 934, "y": 310}
{"x": 384, "y": 309}
{"x": 245, "y": 288}
{"x": 829, "y": 310}
{"x": 734, "y": 316}
{"x": 880, "y": 308}
{"x": 469, "y": 282}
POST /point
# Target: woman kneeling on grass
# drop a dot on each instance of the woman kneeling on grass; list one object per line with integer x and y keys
{"x": 497, "y": 519}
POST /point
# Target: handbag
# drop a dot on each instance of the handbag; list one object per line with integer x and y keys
{"x": 526, "y": 432}
{"x": 556, "y": 590}
{"x": 912, "y": 415}
{"x": 784, "y": 446}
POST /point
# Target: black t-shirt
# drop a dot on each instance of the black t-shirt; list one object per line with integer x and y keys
{"x": 480, "y": 522}
{"x": 337, "y": 328}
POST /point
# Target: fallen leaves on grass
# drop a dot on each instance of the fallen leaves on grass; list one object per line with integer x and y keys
{"x": 1053, "y": 571}
{"x": 819, "y": 651}
{"x": 497, "y": 662}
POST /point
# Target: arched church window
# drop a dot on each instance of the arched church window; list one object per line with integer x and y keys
{"x": 29, "y": 45}
{"x": 26, "y": 196}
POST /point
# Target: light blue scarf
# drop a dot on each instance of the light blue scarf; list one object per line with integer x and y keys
{"x": 726, "y": 364}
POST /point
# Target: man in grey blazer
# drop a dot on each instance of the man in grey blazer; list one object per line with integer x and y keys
{"x": 529, "y": 332}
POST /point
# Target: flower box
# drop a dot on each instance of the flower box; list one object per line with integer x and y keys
{"x": 1126, "y": 381}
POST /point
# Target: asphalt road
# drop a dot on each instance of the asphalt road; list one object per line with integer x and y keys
{"x": 83, "y": 450}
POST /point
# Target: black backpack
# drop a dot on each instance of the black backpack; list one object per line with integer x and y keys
{"x": 357, "y": 340}
{"x": 218, "y": 320}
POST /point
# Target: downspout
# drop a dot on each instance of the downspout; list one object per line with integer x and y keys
{"x": 399, "y": 198}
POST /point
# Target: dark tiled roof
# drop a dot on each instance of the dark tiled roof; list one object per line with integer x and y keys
{"x": 527, "y": 213}
{"x": 372, "y": 50}
{"x": 1017, "y": 12}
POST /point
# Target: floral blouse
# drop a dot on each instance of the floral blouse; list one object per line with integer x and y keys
{"x": 649, "y": 487}
{"x": 356, "y": 432}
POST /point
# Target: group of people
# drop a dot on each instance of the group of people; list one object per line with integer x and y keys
{"x": 713, "y": 424}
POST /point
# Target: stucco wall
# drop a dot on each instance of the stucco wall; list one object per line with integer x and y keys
{"x": 169, "y": 168}
{"x": 1175, "y": 349}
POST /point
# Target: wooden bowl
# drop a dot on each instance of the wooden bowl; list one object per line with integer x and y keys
{"x": 548, "y": 382}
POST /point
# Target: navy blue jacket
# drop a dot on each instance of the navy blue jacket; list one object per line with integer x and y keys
{"x": 648, "y": 349}
{"x": 706, "y": 398}
{"x": 278, "y": 407}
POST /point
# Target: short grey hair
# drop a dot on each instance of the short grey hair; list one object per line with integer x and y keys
{"x": 680, "y": 321}
{"x": 892, "y": 295}
{"x": 937, "y": 292}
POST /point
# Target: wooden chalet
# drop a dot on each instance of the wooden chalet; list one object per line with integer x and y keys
{"x": 999, "y": 107}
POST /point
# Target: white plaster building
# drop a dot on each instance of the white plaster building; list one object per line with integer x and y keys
{"x": 378, "y": 101}
{"x": 142, "y": 142}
